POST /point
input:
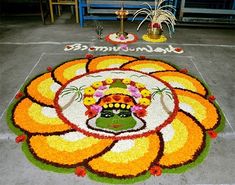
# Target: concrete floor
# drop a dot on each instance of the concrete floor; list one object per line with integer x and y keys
{"x": 27, "y": 47}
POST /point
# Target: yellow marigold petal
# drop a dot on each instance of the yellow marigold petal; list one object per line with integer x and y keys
{"x": 110, "y": 61}
{"x": 109, "y": 81}
{"x": 69, "y": 70}
{"x": 144, "y": 101}
{"x": 43, "y": 89}
{"x": 68, "y": 149}
{"x": 97, "y": 84}
{"x": 145, "y": 93}
{"x": 128, "y": 157}
{"x": 89, "y": 91}
{"x": 148, "y": 66}
{"x": 35, "y": 118}
{"x": 139, "y": 85}
{"x": 116, "y": 90}
{"x": 183, "y": 81}
{"x": 184, "y": 139}
{"x": 202, "y": 109}
{"x": 89, "y": 101}
{"x": 126, "y": 80}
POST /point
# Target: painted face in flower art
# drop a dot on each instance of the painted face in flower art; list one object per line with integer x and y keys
{"x": 118, "y": 111}
{"x": 117, "y": 119}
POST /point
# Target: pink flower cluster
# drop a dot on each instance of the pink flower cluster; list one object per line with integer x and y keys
{"x": 134, "y": 91}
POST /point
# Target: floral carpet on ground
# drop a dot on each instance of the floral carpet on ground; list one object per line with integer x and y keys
{"x": 115, "y": 119}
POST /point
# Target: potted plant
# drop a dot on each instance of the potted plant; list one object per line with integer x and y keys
{"x": 160, "y": 14}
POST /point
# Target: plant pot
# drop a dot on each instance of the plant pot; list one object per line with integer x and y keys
{"x": 154, "y": 33}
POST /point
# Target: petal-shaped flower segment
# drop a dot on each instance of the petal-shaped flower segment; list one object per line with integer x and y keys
{"x": 70, "y": 69}
{"x": 34, "y": 118}
{"x": 42, "y": 89}
{"x": 69, "y": 149}
{"x": 109, "y": 61}
{"x": 183, "y": 81}
{"x": 128, "y": 158}
{"x": 202, "y": 109}
{"x": 148, "y": 66}
{"x": 184, "y": 140}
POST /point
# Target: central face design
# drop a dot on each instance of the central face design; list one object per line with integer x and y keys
{"x": 116, "y": 103}
{"x": 114, "y": 108}
{"x": 117, "y": 121}
{"x": 116, "y": 116}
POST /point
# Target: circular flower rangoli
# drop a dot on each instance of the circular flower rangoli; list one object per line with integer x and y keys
{"x": 115, "y": 118}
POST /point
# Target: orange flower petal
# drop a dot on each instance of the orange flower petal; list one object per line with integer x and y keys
{"x": 109, "y": 61}
{"x": 70, "y": 69}
{"x": 202, "y": 109}
{"x": 69, "y": 149}
{"x": 186, "y": 141}
{"x": 42, "y": 89}
{"x": 34, "y": 118}
{"x": 180, "y": 80}
{"x": 128, "y": 158}
{"x": 148, "y": 66}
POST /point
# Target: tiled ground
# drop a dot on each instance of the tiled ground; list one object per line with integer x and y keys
{"x": 27, "y": 48}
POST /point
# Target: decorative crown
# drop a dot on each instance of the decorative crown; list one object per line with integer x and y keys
{"x": 117, "y": 101}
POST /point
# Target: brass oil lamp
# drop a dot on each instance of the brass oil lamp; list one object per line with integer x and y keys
{"x": 122, "y": 14}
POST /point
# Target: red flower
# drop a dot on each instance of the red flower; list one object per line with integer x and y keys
{"x": 127, "y": 99}
{"x": 142, "y": 57}
{"x": 155, "y": 170}
{"x": 107, "y": 99}
{"x": 19, "y": 95}
{"x": 116, "y": 97}
{"x": 212, "y": 134}
{"x": 68, "y": 47}
{"x": 156, "y": 25}
{"x": 90, "y": 113}
{"x": 132, "y": 83}
{"x": 49, "y": 68}
{"x": 178, "y": 49}
{"x": 20, "y": 138}
{"x": 141, "y": 113}
{"x": 89, "y": 56}
{"x": 211, "y": 98}
{"x": 80, "y": 171}
{"x": 184, "y": 70}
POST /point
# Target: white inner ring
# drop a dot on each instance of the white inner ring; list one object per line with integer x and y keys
{"x": 156, "y": 114}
